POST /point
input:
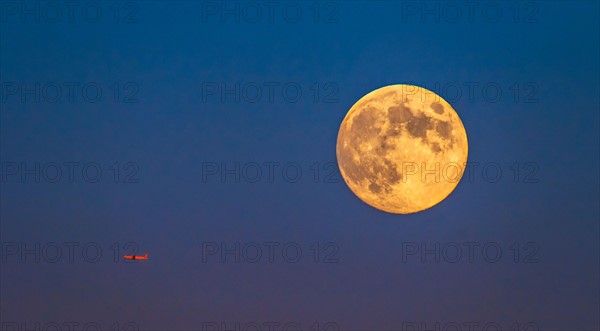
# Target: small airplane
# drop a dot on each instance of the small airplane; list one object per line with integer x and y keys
{"x": 136, "y": 257}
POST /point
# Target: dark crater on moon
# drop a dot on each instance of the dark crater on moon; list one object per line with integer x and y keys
{"x": 437, "y": 107}
{"x": 399, "y": 114}
{"x": 380, "y": 172}
{"x": 418, "y": 125}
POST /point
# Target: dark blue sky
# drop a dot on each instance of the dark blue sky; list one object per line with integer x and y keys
{"x": 164, "y": 130}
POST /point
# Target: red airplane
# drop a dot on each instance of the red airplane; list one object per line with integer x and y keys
{"x": 136, "y": 257}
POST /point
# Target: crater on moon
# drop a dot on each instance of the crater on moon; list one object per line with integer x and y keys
{"x": 402, "y": 149}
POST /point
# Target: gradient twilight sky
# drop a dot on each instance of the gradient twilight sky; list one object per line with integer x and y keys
{"x": 164, "y": 56}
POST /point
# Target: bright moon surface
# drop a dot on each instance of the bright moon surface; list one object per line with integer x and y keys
{"x": 402, "y": 149}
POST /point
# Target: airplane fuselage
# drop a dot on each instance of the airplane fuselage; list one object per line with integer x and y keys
{"x": 136, "y": 257}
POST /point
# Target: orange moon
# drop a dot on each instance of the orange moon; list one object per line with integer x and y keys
{"x": 402, "y": 149}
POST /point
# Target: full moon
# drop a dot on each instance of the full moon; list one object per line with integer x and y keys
{"x": 402, "y": 149}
